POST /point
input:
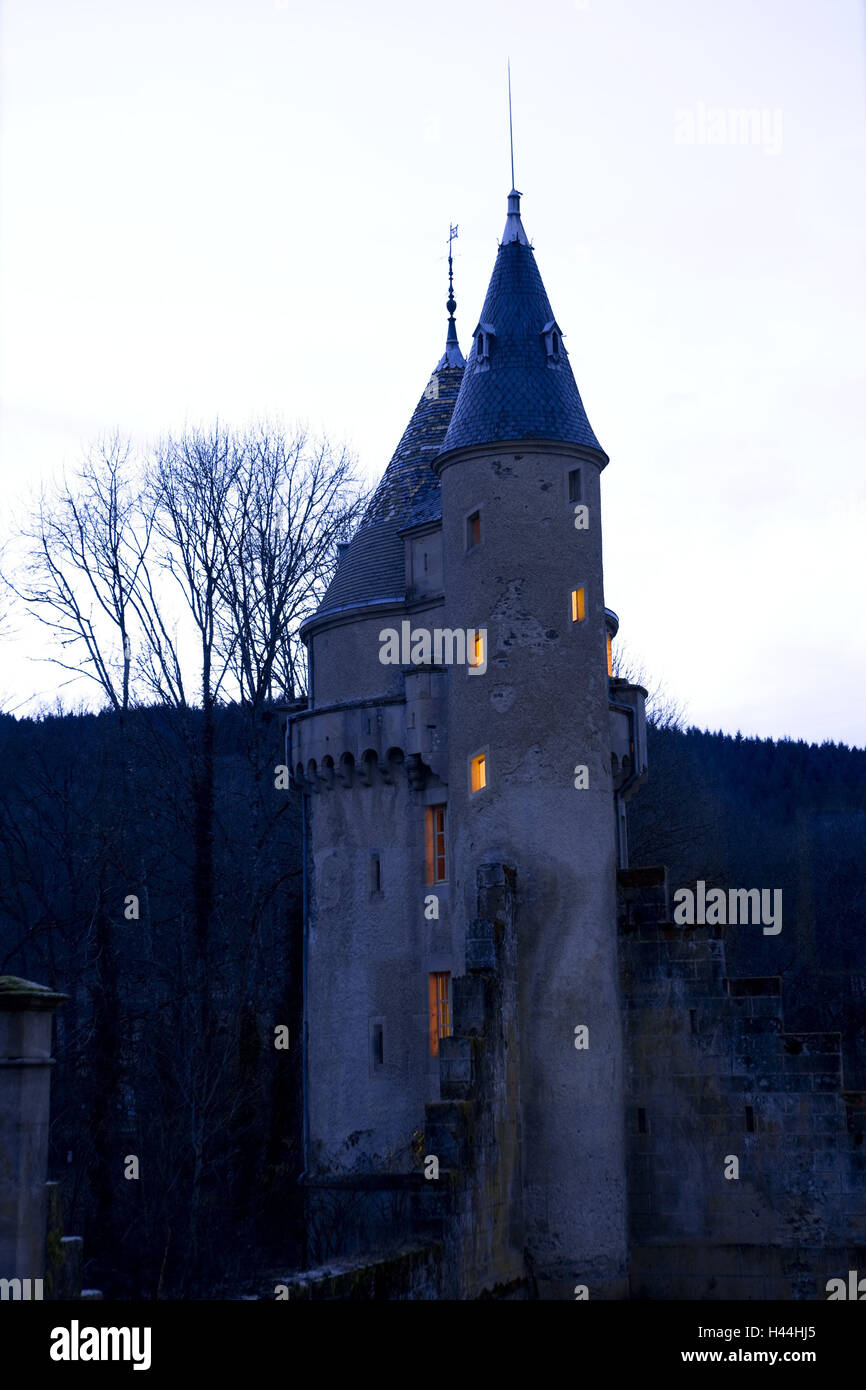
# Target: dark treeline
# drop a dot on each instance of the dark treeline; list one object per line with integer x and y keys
{"x": 753, "y": 813}
{"x": 161, "y": 1055}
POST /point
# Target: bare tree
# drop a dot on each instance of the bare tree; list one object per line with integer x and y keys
{"x": 295, "y": 499}
{"x": 663, "y": 710}
{"x": 86, "y": 549}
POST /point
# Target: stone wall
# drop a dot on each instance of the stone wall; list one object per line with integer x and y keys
{"x": 714, "y": 1077}
{"x": 475, "y": 1129}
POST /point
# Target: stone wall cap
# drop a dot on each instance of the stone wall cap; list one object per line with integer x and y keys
{"x": 16, "y": 993}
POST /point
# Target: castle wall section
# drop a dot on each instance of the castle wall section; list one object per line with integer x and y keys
{"x": 540, "y": 710}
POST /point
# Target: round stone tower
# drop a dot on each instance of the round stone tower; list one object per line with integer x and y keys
{"x": 529, "y": 776}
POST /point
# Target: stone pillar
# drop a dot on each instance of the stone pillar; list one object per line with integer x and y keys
{"x": 25, "y": 1072}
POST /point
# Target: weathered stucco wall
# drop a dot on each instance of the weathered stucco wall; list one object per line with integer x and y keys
{"x": 540, "y": 710}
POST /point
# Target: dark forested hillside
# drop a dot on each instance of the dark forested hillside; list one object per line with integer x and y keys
{"x": 165, "y": 1047}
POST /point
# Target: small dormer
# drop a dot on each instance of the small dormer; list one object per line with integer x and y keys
{"x": 483, "y": 335}
{"x": 553, "y": 344}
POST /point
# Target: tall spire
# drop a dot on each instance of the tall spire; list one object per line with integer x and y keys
{"x": 510, "y": 125}
{"x": 452, "y": 356}
{"x": 518, "y": 382}
{"x": 513, "y": 225}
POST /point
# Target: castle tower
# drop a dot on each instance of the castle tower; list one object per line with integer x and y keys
{"x": 529, "y": 768}
{"x": 459, "y": 734}
{"x": 370, "y": 755}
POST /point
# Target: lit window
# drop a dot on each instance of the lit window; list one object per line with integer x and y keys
{"x": 473, "y": 530}
{"x": 574, "y": 485}
{"x": 440, "y": 1009}
{"x": 436, "y": 865}
{"x": 477, "y": 648}
{"x": 609, "y": 656}
{"x": 478, "y": 773}
{"x": 578, "y": 605}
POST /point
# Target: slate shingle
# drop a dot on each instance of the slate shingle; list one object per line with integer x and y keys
{"x": 519, "y": 394}
{"x": 373, "y": 565}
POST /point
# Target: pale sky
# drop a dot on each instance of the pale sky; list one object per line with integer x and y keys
{"x": 241, "y": 207}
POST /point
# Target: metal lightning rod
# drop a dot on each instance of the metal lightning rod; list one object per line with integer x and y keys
{"x": 510, "y": 126}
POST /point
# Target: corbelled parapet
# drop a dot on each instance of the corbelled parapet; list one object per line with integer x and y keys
{"x": 374, "y": 740}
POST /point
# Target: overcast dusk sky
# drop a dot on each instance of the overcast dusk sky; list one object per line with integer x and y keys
{"x": 241, "y": 208}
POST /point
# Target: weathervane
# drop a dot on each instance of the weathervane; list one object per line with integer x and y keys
{"x": 452, "y": 302}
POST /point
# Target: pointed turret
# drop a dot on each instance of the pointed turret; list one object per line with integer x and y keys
{"x": 372, "y": 568}
{"x": 518, "y": 383}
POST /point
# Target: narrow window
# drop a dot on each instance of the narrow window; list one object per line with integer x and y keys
{"x": 750, "y": 1119}
{"x": 375, "y": 874}
{"x": 425, "y": 561}
{"x": 478, "y": 773}
{"x": 378, "y": 1045}
{"x": 578, "y": 605}
{"x": 436, "y": 864}
{"x": 693, "y": 1020}
{"x": 440, "y": 1009}
{"x": 609, "y": 656}
{"x": 554, "y": 337}
{"x": 641, "y": 1122}
{"x": 574, "y": 488}
{"x": 473, "y": 530}
{"x": 477, "y": 648}
{"x": 480, "y": 344}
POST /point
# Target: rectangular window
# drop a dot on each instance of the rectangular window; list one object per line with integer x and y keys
{"x": 477, "y": 647}
{"x": 478, "y": 773}
{"x": 473, "y": 530}
{"x": 436, "y": 865}
{"x": 375, "y": 874}
{"x": 609, "y": 656}
{"x": 440, "y": 1009}
{"x": 377, "y": 1041}
{"x": 578, "y": 605}
{"x": 750, "y": 1119}
{"x": 641, "y": 1122}
{"x": 574, "y": 485}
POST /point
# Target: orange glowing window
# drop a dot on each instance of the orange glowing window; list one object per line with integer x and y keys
{"x": 609, "y": 656}
{"x": 477, "y": 648}
{"x": 478, "y": 772}
{"x": 578, "y": 605}
{"x": 440, "y": 1009}
{"x": 473, "y": 530}
{"x": 435, "y": 824}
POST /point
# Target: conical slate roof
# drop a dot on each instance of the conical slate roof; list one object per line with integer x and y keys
{"x": 521, "y": 390}
{"x": 373, "y": 566}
